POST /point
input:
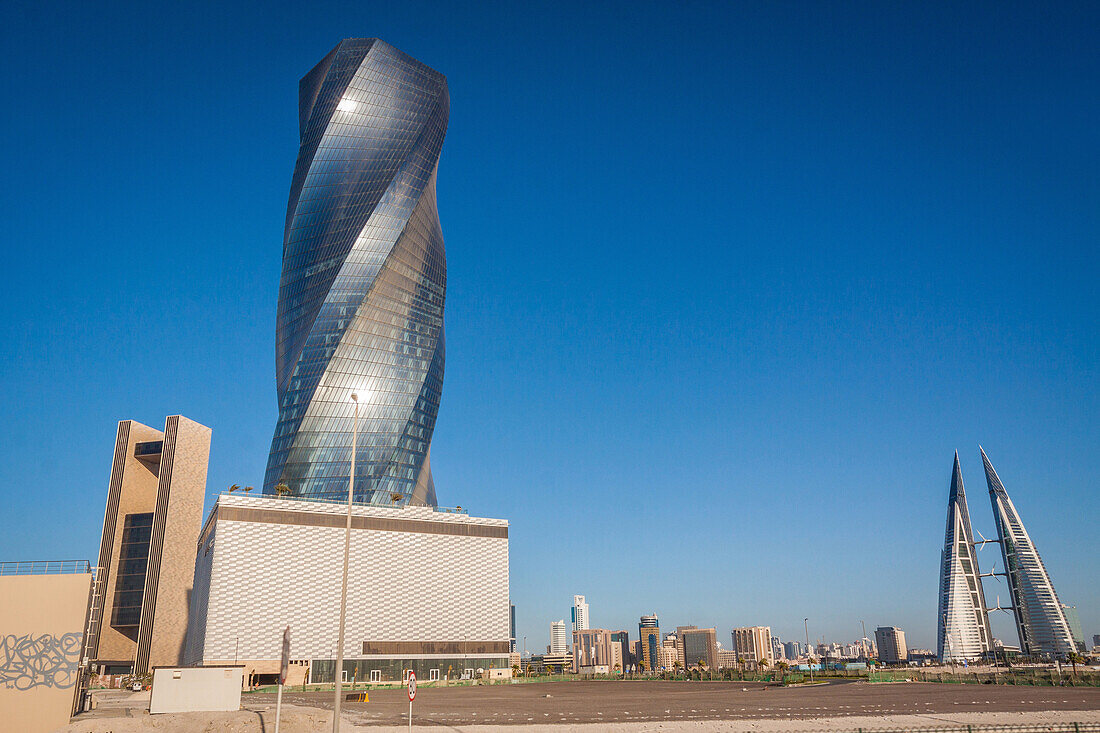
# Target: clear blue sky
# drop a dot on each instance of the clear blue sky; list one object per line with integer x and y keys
{"x": 728, "y": 283}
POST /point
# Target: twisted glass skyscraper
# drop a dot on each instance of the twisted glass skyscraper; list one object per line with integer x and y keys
{"x": 964, "y": 632}
{"x": 363, "y": 281}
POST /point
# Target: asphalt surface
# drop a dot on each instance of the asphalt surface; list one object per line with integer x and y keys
{"x": 642, "y": 701}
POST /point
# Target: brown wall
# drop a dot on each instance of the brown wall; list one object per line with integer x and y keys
{"x": 41, "y": 639}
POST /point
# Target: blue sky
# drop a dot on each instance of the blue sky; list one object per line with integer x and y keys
{"x": 728, "y": 283}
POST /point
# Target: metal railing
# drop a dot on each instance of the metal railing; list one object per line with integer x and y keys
{"x": 341, "y": 501}
{"x": 960, "y": 728}
{"x": 45, "y": 567}
{"x": 1067, "y": 676}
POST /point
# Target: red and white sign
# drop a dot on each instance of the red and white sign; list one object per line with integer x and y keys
{"x": 412, "y": 687}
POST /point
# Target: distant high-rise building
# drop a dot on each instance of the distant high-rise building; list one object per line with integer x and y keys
{"x": 1075, "y": 630}
{"x": 754, "y": 643}
{"x": 891, "y": 645}
{"x": 679, "y": 640}
{"x": 670, "y": 654}
{"x": 777, "y": 648}
{"x": 1095, "y": 640}
{"x": 579, "y": 614}
{"x": 559, "y": 641}
{"x": 727, "y": 659}
{"x": 147, "y": 552}
{"x": 700, "y": 648}
{"x": 649, "y": 638}
{"x": 555, "y": 662}
{"x": 1040, "y": 621}
{"x": 791, "y": 650}
{"x": 594, "y": 647}
{"x": 963, "y": 620}
{"x": 512, "y": 624}
{"x": 622, "y": 638}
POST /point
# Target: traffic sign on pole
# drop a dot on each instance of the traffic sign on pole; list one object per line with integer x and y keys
{"x": 412, "y": 696}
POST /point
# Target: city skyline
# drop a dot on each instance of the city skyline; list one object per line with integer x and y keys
{"x": 798, "y": 255}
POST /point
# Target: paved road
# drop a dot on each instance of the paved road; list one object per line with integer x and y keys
{"x": 639, "y": 701}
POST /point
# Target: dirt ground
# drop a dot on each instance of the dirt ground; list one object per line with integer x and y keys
{"x": 627, "y": 706}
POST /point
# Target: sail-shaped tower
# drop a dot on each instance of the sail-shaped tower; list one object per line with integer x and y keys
{"x": 964, "y": 632}
{"x": 1040, "y": 620}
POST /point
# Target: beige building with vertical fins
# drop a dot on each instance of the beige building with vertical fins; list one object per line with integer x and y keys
{"x": 147, "y": 552}
{"x": 754, "y": 643}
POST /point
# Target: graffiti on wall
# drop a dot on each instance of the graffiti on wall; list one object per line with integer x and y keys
{"x": 42, "y": 660}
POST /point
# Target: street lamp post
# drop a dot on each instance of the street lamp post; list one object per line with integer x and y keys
{"x": 809, "y": 656}
{"x": 338, "y": 672}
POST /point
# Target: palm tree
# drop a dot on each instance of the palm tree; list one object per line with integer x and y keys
{"x": 762, "y": 665}
{"x": 282, "y": 490}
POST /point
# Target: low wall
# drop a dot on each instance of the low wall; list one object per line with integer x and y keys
{"x": 41, "y": 638}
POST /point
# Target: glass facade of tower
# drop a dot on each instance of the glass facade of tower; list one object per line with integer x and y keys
{"x": 363, "y": 282}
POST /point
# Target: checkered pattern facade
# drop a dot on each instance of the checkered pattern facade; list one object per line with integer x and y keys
{"x": 439, "y": 580}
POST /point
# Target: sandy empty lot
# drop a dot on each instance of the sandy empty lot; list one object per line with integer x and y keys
{"x": 647, "y": 705}
{"x": 602, "y": 702}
